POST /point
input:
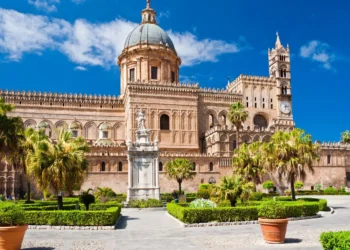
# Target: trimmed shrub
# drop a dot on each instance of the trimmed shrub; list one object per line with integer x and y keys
{"x": 335, "y": 240}
{"x": 224, "y": 204}
{"x": 11, "y": 215}
{"x": 330, "y": 190}
{"x": 302, "y": 209}
{"x": 145, "y": 203}
{"x": 204, "y": 186}
{"x": 315, "y": 192}
{"x": 202, "y": 203}
{"x": 298, "y": 185}
{"x": 283, "y": 198}
{"x": 203, "y": 194}
{"x": 322, "y": 203}
{"x": 47, "y": 207}
{"x": 73, "y": 218}
{"x": 268, "y": 185}
{"x": 272, "y": 210}
{"x": 256, "y": 196}
{"x": 87, "y": 199}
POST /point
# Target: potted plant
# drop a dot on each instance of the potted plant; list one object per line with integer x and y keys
{"x": 273, "y": 221}
{"x": 12, "y": 227}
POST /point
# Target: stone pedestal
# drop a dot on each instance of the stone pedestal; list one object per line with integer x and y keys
{"x": 143, "y": 165}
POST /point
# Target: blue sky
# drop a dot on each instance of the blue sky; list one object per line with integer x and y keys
{"x": 71, "y": 46}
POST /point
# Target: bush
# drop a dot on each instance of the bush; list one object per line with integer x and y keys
{"x": 87, "y": 199}
{"x": 11, "y": 215}
{"x": 204, "y": 186}
{"x": 272, "y": 210}
{"x": 166, "y": 197}
{"x": 203, "y": 194}
{"x": 283, "y": 198}
{"x": 322, "y": 203}
{"x": 256, "y": 196}
{"x": 202, "y": 203}
{"x": 335, "y": 240}
{"x": 298, "y": 185}
{"x": 268, "y": 185}
{"x": 330, "y": 190}
{"x": 302, "y": 209}
{"x": 145, "y": 203}
{"x": 46, "y": 208}
{"x": 101, "y": 206}
{"x": 224, "y": 204}
{"x": 73, "y": 218}
{"x": 2, "y": 197}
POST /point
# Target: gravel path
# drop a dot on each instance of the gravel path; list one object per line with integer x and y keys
{"x": 155, "y": 230}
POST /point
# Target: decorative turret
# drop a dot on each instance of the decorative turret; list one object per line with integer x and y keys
{"x": 149, "y": 14}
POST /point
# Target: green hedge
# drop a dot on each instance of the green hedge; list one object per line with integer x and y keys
{"x": 229, "y": 214}
{"x": 322, "y": 202}
{"x": 47, "y": 207}
{"x": 335, "y": 240}
{"x": 321, "y": 192}
{"x": 73, "y": 218}
{"x": 100, "y": 206}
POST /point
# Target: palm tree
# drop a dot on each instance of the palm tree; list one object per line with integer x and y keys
{"x": 237, "y": 115}
{"x": 291, "y": 154}
{"x": 179, "y": 169}
{"x": 32, "y": 141}
{"x": 62, "y": 166}
{"x": 232, "y": 188}
{"x": 4, "y": 107}
{"x": 345, "y": 136}
{"x": 247, "y": 162}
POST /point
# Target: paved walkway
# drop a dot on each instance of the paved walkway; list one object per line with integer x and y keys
{"x": 155, "y": 230}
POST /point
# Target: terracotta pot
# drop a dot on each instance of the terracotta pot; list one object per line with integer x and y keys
{"x": 11, "y": 237}
{"x": 274, "y": 231}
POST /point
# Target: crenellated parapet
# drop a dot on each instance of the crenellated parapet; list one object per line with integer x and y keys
{"x": 249, "y": 79}
{"x": 58, "y": 99}
{"x": 333, "y": 145}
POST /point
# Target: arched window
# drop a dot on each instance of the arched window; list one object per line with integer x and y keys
{"x": 103, "y": 166}
{"x": 164, "y": 122}
{"x": 120, "y": 166}
{"x": 211, "y": 167}
{"x": 260, "y": 121}
{"x": 284, "y": 73}
{"x": 223, "y": 120}
{"x": 193, "y": 166}
{"x": 160, "y": 165}
{"x": 212, "y": 180}
{"x": 234, "y": 145}
{"x": 211, "y": 121}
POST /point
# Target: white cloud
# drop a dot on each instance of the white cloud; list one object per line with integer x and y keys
{"x": 165, "y": 14}
{"x": 80, "y": 68}
{"x": 318, "y": 52}
{"x": 86, "y": 43}
{"x": 24, "y": 33}
{"x": 45, "y": 5}
{"x": 194, "y": 51}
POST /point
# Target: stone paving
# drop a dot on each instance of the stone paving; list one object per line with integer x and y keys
{"x": 155, "y": 230}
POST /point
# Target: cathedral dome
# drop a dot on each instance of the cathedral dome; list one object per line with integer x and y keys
{"x": 149, "y": 33}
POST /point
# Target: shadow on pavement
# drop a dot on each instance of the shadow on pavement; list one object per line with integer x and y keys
{"x": 123, "y": 222}
{"x": 292, "y": 241}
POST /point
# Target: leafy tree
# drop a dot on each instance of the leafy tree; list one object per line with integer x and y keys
{"x": 345, "y": 136}
{"x": 247, "y": 162}
{"x": 180, "y": 170}
{"x": 61, "y": 166}
{"x": 291, "y": 154}
{"x": 268, "y": 185}
{"x": 233, "y": 188}
{"x": 298, "y": 185}
{"x": 237, "y": 115}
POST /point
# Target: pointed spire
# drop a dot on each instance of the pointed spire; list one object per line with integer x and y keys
{"x": 278, "y": 41}
{"x": 148, "y": 4}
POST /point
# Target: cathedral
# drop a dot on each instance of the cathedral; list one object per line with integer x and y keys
{"x": 188, "y": 121}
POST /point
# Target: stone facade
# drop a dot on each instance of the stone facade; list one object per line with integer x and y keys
{"x": 187, "y": 120}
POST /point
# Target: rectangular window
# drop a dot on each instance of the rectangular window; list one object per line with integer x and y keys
{"x": 105, "y": 134}
{"x": 172, "y": 76}
{"x": 271, "y": 106}
{"x": 256, "y": 105}
{"x": 154, "y": 73}
{"x": 75, "y": 133}
{"x": 347, "y": 176}
{"x": 328, "y": 159}
{"x": 132, "y": 75}
{"x": 247, "y": 105}
{"x": 263, "y": 105}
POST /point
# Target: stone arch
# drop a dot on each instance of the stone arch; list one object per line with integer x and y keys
{"x": 211, "y": 119}
{"x": 30, "y": 123}
{"x": 246, "y": 139}
{"x": 175, "y": 124}
{"x": 119, "y": 132}
{"x": 50, "y": 130}
{"x": 266, "y": 138}
{"x": 90, "y": 131}
{"x": 162, "y": 114}
{"x": 61, "y": 125}
{"x": 256, "y": 138}
{"x": 223, "y": 138}
{"x": 223, "y": 118}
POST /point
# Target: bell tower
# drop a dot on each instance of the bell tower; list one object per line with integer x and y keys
{"x": 279, "y": 68}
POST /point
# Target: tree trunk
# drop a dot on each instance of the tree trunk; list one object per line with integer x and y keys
{"x": 60, "y": 202}
{"x": 179, "y": 181}
{"x": 28, "y": 192}
{"x": 292, "y": 189}
{"x": 237, "y": 136}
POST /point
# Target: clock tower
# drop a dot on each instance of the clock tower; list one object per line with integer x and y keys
{"x": 279, "y": 68}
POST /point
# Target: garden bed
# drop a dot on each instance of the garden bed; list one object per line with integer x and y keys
{"x": 236, "y": 214}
